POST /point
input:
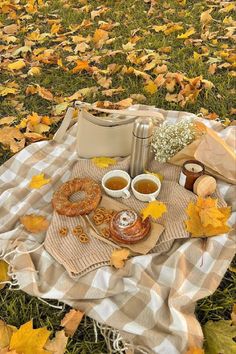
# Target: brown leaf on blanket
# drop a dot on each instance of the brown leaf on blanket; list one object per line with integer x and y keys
{"x": 34, "y": 223}
{"x": 118, "y": 257}
{"x": 3, "y": 274}
{"x": 71, "y": 321}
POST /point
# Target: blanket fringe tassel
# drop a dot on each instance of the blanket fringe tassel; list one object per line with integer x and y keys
{"x": 115, "y": 342}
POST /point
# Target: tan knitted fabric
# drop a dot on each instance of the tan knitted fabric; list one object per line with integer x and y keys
{"x": 79, "y": 259}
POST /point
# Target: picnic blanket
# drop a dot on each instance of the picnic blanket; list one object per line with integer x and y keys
{"x": 150, "y": 301}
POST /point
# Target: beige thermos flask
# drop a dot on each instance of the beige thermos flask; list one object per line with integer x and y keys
{"x": 141, "y": 144}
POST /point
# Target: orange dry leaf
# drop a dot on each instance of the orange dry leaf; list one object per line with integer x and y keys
{"x": 80, "y": 66}
{"x": 195, "y": 351}
{"x": 154, "y": 209}
{"x": 34, "y": 223}
{"x": 233, "y": 315}
{"x": 118, "y": 257}
{"x": 206, "y": 219}
{"x": 71, "y": 321}
{"x": 28, "y": 340}
{"x": 38, "y": 181}
{"x": 99, "y": 37}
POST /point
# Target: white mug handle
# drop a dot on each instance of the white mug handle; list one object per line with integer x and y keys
{"x": 126, "y": 194}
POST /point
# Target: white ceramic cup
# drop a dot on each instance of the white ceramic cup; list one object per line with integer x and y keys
{"x": 146, "y": 197}
{"x": 117, "y": 193}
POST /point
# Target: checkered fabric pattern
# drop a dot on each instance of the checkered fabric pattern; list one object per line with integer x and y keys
{"x": 150, "y": 301}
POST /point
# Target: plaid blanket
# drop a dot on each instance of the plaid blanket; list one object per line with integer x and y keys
{"x": 150, "y": 301}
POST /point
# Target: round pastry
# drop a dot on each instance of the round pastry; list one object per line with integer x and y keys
{"x": 126, "y": 226}
{"x": 64, "y": 206}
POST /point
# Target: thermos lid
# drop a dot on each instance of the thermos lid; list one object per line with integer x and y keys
{"x": 143, "y": 127}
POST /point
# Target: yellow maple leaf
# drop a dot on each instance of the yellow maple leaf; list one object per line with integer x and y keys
{"x": 34, "y": 223}
{"x": 194, "y": 350}
{"x": 206, "y": 219}
{"x": 6, "y": 332}
{"x": 71, "y": 321}
{"x": 3, "y": 274}
{"x": 28, "y": 340}
{"x": 118, "y": 257}
{"x": 103, "y": 162}
{"x": 154, "y": 209}
{"x": 187, "y": 34}
{"x": 151, "y": 87}
{"x": 38, "y": 181}
{"x": 16, "y": 65}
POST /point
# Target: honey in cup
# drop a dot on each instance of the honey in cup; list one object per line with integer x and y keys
{"x": 145, "y": 186}
{"x": 116, "y": 183}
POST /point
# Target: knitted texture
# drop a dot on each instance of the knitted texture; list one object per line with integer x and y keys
{"x": 80, "y": 258}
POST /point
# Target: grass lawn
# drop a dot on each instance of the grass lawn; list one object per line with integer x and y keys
{"x": 112, "y": 50}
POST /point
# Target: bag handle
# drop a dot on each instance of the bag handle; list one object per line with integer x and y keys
{"x": 130, "y": 112}
{"x": 64, "y": 125}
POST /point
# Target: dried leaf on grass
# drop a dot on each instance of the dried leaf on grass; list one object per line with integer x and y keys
{"x": 206, "y": 219}
{"x": 151, "y": 87}
{"x": 187, "y": 34}
{"x": 219, "y": 337}
{"x": 233, "y": 315}
{"x": 99, "y": 37}
{"x": 38, "y": 181}
{"x": 34, "y": 223}
{"x": 6, "y": 332}
{"x": 118, "y": 257}
{"x": 28, "y": 340}
{"x": 71, "y": 321}
{"x": 3, "y": 273}
{"x": 103, "y": 162}
{"x": 58, "y": 344}
{"x": 13, "y": 138}
{"x": 155, "y": 209}
{"x": 16, "y": 65}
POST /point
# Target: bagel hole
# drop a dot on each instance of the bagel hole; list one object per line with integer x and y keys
{"x": 75, "y": 197}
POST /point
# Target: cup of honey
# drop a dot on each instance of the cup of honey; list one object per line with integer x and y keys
{"x": 146, "y": 187}
{"x": 116, "y": 183}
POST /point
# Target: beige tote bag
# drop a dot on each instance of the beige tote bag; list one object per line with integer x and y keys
{"x": 109, "y": 135}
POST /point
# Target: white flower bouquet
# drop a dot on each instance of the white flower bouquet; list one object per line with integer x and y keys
{"x": 168, "y": 139}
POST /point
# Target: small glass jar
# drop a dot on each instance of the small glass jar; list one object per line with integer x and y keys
{"x": 191, "y": 170}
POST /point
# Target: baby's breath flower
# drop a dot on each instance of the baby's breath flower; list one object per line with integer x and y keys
{"x": 169, "y": 139}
